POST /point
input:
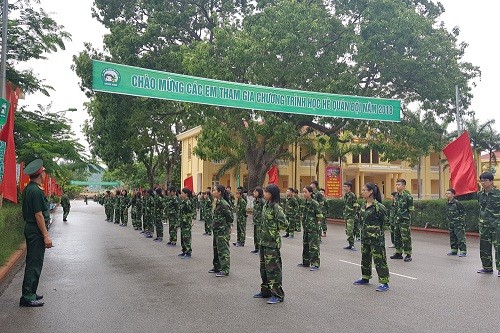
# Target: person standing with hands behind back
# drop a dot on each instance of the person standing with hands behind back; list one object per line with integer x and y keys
{"x": 373, "y": 218}
{"x": 273, "y": 219}
{"x": 36, "y": 215}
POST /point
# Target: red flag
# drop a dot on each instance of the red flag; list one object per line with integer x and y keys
{"x": 462, "y": 167}
{"x": 273, "y": 175}
{"x": 188, "y": 183}
{"x": 9, "y": 181}
{"x": 24, "y": 179}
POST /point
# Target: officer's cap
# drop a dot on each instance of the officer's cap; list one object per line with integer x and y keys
{"x": 34, "y": 168}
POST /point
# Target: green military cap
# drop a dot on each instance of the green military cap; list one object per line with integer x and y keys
{"x": 34, "y": 168}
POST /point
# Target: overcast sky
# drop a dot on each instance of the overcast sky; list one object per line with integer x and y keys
{"x": 477, "y": 21}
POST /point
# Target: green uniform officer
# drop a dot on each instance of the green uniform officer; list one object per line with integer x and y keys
{"x": 36, "y": 217}
{"x": 66, "y": 206}
{"x": 455, "y": 215}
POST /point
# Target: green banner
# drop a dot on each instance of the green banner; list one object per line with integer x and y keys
{"x": 135, "y": 81}
{"x": 79, "y": 182}
{"x": 4, "y": 111}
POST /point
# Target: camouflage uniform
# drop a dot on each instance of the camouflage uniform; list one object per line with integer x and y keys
{"x": 298, "y": 224}
{"x": 351, "y": 207}
{"x": 136, "y": 213}
{"x": 116, "y": 208}
{"x": 489, "y": 227}
{"x": 311, "y": 221}
{"x": 455, "y": 215}
{"x": 403, "y": 205}
{"x": 149, "y": 214}
{"x": 159, "y": 201}
{"x": 108, "y": 210}
{"x": 258, "y": 204}
{"x": 186, "y": 218}
{"x": 273, "y": 219}
{"x": 222, "y": 220}
{"x": 66, "y": 205}
{"x": 392, "y": 225}
{"x": 241, "y": 220}
{"x": 292, "y": 214}
{"x": 172, "y": 209}
{"x": 124, "y": 205}
{"x": 316, "y": 195}
{"x": 206, "y": 211}
{"x": 373, "y": 220}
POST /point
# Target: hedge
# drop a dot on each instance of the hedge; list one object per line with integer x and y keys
{"x": 11, "y": 230}
{"x": 428, "y": 213}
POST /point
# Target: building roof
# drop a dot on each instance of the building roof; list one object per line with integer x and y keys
{"x": 486, "y": 157}
{"x": 189, "y": 133}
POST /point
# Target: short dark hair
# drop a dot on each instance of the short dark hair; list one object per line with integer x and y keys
{"x": 452, "y": 191}
{"x": 486, "y": 175}
{"x": 402, "y": 181}
{"x": 315, "y": 182}
{"x": 348, "y": 184}
{"x": 394, "y": 193}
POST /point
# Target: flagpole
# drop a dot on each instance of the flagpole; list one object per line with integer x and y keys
{"x": 3, "y": 78}
{"x": 457, "y": 98}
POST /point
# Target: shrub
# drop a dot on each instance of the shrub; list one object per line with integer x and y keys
{"x": 11, "y": 230}
{"x": 428, "y": 213}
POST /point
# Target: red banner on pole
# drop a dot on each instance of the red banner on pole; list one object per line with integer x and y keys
{"x": 462, "y": 168}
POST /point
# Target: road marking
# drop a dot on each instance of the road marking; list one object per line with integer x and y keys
{"x": 391, "y": 273}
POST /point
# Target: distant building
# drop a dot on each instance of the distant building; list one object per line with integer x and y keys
{"x": 491, "y": 163}
{"x": 359, "y": 169}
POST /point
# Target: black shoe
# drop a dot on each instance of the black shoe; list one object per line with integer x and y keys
{"x": 39, "y": 297}
{"x": 213, "y": 270}
{"x": 286, "y": 236}
{"x": 30, "y": 304}
{"x": 303, "y": 265}
{"x": 348, "y": 247}
{"x": 408, "y": 258}
{"x": 397, "y": 256}
{"x": 254, "y": 251}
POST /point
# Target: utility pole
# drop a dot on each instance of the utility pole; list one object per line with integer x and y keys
{"x": 5, "y": 21}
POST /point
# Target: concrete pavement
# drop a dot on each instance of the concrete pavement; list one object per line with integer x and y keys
{"x": 103, "y": 278}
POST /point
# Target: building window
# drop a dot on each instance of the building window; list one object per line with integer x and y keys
{"x": 355, "y": 158}
{"x": 215, "y": 181}
{"x": 375, "y": 157}
{"x": 245, "y": 182}
{"x": 365, "y": 156}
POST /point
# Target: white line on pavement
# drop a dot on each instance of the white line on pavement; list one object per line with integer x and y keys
{"x": 392, "y": 273}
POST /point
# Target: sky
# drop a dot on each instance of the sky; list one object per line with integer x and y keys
{"x": 476, "y": 19}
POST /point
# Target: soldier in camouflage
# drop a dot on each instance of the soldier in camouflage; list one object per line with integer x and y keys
{"x": 489, "y": 224}
{"x": 117, "y": 206}
{"x": 241, "y": 218}
{"x": 136, "y": 210}
{"x": 159, "y": 201}
{"x": 392, "y": 226}
{"x": 108, "y": 204}
{"x": 403, "y": 206}
{"x": 172, "y": 211}
{"x": 320, "y": 198}
{"x": 186, "y": 220}
{"x": 350, "y": 213}
{"x": 124, "y": 205}
{"x": 149, "y": 214}
{"x": 206, "y": 209}
{"x": 222, "y": 221}
{"x": 291, "y": 212}
{"x": 312, "y": 216}
{"x": 271, "y": 268}
{"x": 258, "y": 204}
{"x": 373, "y": 219}
{"x": 300, "y": 201}
{"x": 455, "y": 215}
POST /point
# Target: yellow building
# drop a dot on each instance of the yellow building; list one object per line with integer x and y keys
{"x": 358, "y": 169}
{"x": 495, "y": 164}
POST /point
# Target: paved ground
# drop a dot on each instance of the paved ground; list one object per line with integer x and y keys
{"x": 103, "y": 278}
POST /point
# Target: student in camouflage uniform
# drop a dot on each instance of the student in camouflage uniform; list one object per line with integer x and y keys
{"x": 403, "y": 206}
{"x": 124, "y": 205}
{"x": 136, "y": 210}
{"x": 391, "y": 219}
{"x": 258, "y": 204}
{"x": 222, "y": 221}
{"x": 149, "y": 213}
{"x": 172, "y": 210}
{"x": 185, "y": 216}
{"x": 455, "y": 215}
{"x": 291, "y": 212}
{"x": 159, "y": 201}
{"x": 373, "y": 219}
{"x": 107, "y": 203}
{"x": 66, "y": 205}
{"x": 320, "y": 198}
{"x": 350, "y": 213}
{"x": 300, "y": 201}
{"x": 241, "y": 218}
{"x": 311, "y": 221}
{"x": 117, "y": 206}
{"x": 489, "y": 224}
{"x": 271, "y": 267}
{"x": 206, "y": 208}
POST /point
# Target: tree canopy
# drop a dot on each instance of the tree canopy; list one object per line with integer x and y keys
{"x": 374, "y": 48}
